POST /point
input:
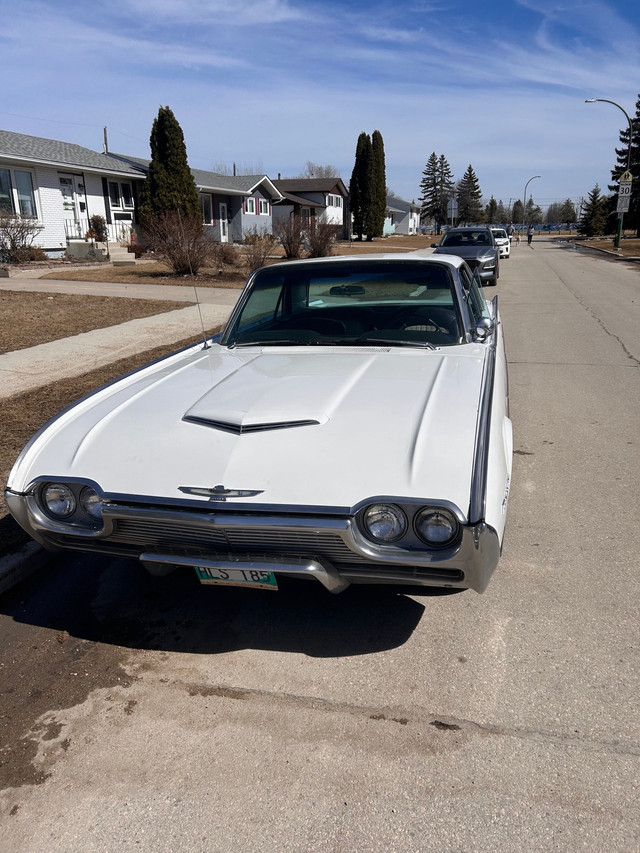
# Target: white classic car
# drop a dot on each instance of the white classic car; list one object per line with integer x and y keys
{"x": 350, "y": 424}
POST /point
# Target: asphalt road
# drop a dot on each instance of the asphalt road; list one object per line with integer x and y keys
{"x": 159, "y": 715}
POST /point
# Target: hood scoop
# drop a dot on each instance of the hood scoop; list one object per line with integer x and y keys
{"x": 244, "y": 428}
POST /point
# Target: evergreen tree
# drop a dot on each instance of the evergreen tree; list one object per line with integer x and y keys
{"x": 568, "y": 213}
{"x": 491, "y": 212}
{"x": 632, "y": 217}
{"x": 517, "y": 212}
{"x": 437, "y": 188}
{"x": 360, "y": 185}
{"x": 501, "y": 214}
{"x": 378, "y": 188}
{"x": 469, "y": 198}
{"x": 534, "y": 212}
{"x": 169, "y": 185}
{"x": 594, "y": 214}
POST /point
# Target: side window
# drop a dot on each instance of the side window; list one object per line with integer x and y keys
{"x": 250, "y": 205}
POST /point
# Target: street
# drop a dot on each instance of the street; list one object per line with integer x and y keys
{"x": 163, "y": 716}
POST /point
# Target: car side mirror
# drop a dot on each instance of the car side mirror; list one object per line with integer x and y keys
{"x": 435, "y": 245}
{"x": 484, "y": 329}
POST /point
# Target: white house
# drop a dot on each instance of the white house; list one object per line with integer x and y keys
{"x": 62, "y": 185}
{"x": 402, "y": 217}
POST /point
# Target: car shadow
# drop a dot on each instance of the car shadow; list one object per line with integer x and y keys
{"x": 117, "y": 602}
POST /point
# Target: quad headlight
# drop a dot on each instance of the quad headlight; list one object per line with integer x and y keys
{"x": 91, "y": 503}
{"x": 59, "y": 500}
{"x": 411, "y": 526}
{"x": 384, "y": 522}
{"x": 75, "y": 503}
{"x": 437, "y": 527}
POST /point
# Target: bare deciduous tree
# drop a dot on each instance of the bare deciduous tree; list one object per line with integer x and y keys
{"x": 315, "y": 170}
{"x": 289, "y": 232}
{"x": 258, "y": 245}
{"x": 182, "y": 240}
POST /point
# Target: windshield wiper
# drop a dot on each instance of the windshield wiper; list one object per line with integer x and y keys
{"x": 394, "y": 342}
{"x": 285, "y": 342}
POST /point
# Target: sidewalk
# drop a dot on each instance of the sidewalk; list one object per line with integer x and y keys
{"x": 26, "y": 369}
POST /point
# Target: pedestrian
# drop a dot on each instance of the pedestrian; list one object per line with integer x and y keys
{"x": 530, "y": 234}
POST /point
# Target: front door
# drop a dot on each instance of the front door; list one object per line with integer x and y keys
{"x": 224, "y": 223}
{"x": 74, "y": 205}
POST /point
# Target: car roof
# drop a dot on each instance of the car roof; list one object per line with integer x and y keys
{"x": 467, "y": 229}
{"x": 422, "y": 255}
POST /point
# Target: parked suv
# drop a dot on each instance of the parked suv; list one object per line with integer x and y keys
{"x": 503, "y": 240}
{"x": 477, "y": 246}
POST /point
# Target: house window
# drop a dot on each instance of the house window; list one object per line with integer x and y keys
{"x": 120, "y": 195}
{"x": 114, "y": 194}
{"x": 334, "y": 201}
{"x": 250, "y": 205}
{"x": 206, "y": 208}
{"x": 127, "y": 195}
{"x": 264, "y": 207}
{"x": 16, "y": 192}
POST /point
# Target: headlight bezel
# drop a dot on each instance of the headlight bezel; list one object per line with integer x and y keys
{"x": 85, "y": 501}
{"x": 413, "y": 509}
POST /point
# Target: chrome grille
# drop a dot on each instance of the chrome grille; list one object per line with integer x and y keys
{"x": 171, "y": 535}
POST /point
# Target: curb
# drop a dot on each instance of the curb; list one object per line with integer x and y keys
{"x": 21, "y": 564}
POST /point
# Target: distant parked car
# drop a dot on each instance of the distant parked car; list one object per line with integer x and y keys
{"x": 349, "y": 425}
{"x": 478, "y": 248}
{"x": 502, "y": 239}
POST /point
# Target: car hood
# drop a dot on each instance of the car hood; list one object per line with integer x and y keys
{"x": 325, "y": 427}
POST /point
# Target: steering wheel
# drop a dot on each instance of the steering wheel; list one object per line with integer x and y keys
{"x": 440, "y": 318}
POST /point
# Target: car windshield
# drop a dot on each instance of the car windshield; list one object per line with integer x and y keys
{"x": 395, "y": 303}
{"x": 466, "y": 238}
{"x": 499, "y": 233}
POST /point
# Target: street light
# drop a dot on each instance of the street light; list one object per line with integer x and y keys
{"x": 607, "y": 101}
{"x": 524, "y": 203}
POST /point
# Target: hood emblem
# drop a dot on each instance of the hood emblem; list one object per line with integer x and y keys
{"x": 219, "y": 493}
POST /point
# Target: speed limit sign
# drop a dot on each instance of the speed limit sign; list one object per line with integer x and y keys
{"x": 624, "y": 196}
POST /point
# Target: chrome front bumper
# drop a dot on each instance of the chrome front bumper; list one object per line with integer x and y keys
{"x": 330, "y": 549}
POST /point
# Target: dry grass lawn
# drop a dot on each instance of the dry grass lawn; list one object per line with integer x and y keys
{"x": 35, "y": 318}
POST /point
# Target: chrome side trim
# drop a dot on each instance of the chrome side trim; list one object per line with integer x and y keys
{"x": 477, "y": 500}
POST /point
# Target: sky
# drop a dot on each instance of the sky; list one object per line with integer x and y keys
{"x": 271, "y": 84}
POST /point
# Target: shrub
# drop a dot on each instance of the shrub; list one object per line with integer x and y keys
{"x": 290, "y": 233}
{"x": 97, "y": 229}
{"x": 258, "y": 245}
{"x": 182, "y": 240}
{"x": 223, "y": 255}
{"x": 17, "y": 234}
{"x": 320, "y": 237}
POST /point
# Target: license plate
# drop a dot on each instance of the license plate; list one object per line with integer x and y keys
{"x": 236, "y": 577}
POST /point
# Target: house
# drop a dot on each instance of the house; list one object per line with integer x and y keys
{"x": 310, "y": 198}
{"x": 231, "y": 205}
{"x": 402, "y": 217}
{"x": 234, "y": 205}
{"x": 62, "y": 185}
